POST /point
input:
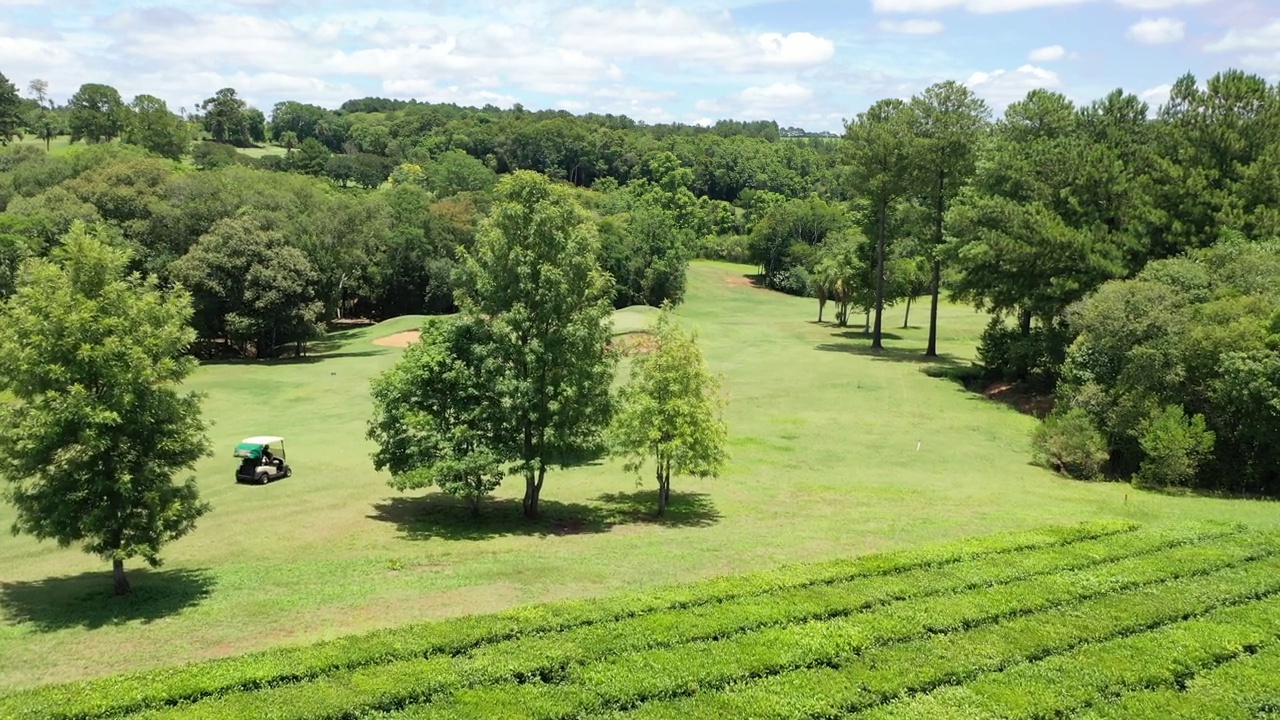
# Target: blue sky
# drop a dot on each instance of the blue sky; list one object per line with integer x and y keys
{"x": 809, "y": 63}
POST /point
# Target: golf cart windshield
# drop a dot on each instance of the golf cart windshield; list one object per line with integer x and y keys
{"x": 251, "y": 448}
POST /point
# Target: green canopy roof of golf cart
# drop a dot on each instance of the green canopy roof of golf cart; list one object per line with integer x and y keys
{"x": 252, "y": 447}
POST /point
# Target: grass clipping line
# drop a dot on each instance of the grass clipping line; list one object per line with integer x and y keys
{"x": 130, "y": 693}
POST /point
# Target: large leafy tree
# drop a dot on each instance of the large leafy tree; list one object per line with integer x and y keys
{"x": 11, "y": 122}
{"x": 435, "y": 418}
{"x": 153, "y": 127}
{"x": 98, "y": 114}
{"x": 670, "y": 411}
{"x": 534, "y": 275}
{"x": 228, "y": 119}
{"x": 951, "y": 121}
{"x": 884, "y": 162}
{"x": 99, "y": 425}
{"x": 251, "y": 286}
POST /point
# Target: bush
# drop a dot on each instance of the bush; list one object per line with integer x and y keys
{"x": 1034, "y": 358}
{"x": 729, "y": 248}
{"x": 1174, "y": 446}
{"x": 794, "y": 280}
{"x": 1071, "y": 444}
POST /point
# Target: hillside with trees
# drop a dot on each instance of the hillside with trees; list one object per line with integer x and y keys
{"x": 1073, "y": 226}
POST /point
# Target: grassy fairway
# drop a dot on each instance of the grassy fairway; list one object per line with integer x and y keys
{"x": 57, "y": 146}
{"x": 825, "y": 465}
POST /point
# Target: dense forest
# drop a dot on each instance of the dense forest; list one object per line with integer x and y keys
{"x": 1125, "y": 253}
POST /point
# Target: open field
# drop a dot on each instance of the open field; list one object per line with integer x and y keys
{"x": 825, "y": 466}
{"x": 57, "y": 146}
{"x": 1093, "y": 620}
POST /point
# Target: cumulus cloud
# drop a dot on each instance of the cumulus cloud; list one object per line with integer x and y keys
{"x": 1158, "y": 31}
{"x": 977, "y": 6}
{"x": 1047, "y": 54}
{"x": 1160, "y": 4}
{"x": 672, "y": 34}
{"x": 1266, "y": 37}
{"x": 1156, "y": 96}
{"x": 912, "y": 27}
{"x": 1002, "y": 88}
{"x": 759, "y": 102}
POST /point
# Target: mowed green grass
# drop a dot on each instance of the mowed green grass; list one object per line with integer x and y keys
{"x": 836, "y": 453}
{"x": 57, "y": 146}
{"x": 1106, "y": 620}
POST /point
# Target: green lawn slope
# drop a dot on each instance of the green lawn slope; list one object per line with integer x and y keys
{"x": 836, "y": 453}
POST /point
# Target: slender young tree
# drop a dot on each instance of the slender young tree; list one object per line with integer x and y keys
{"x": 99, "y": 425}
{"x": 950, "y": 122}
{"x": 670, "y": 411}
{"x": 534, "y": 276}
{"x": 883, "y": 157}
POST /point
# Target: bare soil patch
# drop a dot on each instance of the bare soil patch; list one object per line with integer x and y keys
{"x": 399, "y": 340}
{"x": 1038, "y": 405}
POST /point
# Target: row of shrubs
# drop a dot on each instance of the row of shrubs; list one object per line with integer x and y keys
{"x": 1067, "y": 683}
{"x": 943, "y": 664}
{"x": 543, "y": 657}
{"x": 119, "y": 695}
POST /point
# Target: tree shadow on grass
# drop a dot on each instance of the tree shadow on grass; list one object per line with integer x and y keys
{"x": 892, "y": 354}
{"x": 87, "y": 600}
{"x": 445, "y": 517}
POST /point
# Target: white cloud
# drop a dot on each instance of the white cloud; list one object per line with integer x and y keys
{"x": 977, "y": 6}
{"x": 1001, "y": 87}
{"x": 675, "y": 35}
{"x": 1160, "y": 4}
{"x": 1047, "y": 54}
{"x": 759, "y": 102}
{"x": 1156, "y": 96}
{"x": 1266, "y": 37}
{"x": 1159, "y": 31}
{"x": 912, "y": 27}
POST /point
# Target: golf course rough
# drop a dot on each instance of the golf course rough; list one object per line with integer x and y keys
{"x": 1102, "y": 620}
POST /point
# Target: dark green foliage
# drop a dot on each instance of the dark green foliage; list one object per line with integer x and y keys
{"x": 228, "y": 119}
{"x": 210, "y": 155}
{"x": 311, "y": 158}
{"x": 1070, "y": 443}
{"x": 153, "y": 127}
{"x": 534, "y": 277}
{"x": 251, "y": 287}
{"x": 1178, "y": 368}
{"x": 11, "y": 120}
{"x": 435, "y": 420}
{"x": 98, "y": 114}
{"x": 95, "y": 360}
{"x": 645, "y": 252}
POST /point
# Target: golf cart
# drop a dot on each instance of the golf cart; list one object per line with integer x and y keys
{"x": 257, "y": 461}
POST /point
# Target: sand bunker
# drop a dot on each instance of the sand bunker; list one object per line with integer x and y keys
{"x": 399, "y": 340}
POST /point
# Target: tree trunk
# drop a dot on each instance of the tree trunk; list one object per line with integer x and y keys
{"x": 664, "y": 489}
{"x": 822, "y": 301}
{"x": 532, "y": 490}
{"x": 876, "y": 343}
{"x": 1024, "y": 322}
{"x": 122, "y": 582}
{"x": 940, "y": 206}
{"x": 906, "y": 321}
{"x": 932, "y": 349}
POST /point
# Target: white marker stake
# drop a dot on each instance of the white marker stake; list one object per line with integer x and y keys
{"x": 918, "y": 445}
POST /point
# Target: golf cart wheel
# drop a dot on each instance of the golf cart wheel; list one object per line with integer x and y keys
{"x": 264, "y": 478}
{"x": 288, "y": 472}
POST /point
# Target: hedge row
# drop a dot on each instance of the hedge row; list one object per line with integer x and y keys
{"x": 550, "y": 656}
{"x": 1064, "y": 684}
{"x": 122, "y": 694}
{"x": 866, "y": 682}
{"x": 627, "y": 681}
{"x": 1244, "y": 689}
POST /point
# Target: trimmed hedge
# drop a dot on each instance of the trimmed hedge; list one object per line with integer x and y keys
{"x": 627, "y": 681}
{"x": 397, "y": 684}
{"x": 129, "y": 693}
